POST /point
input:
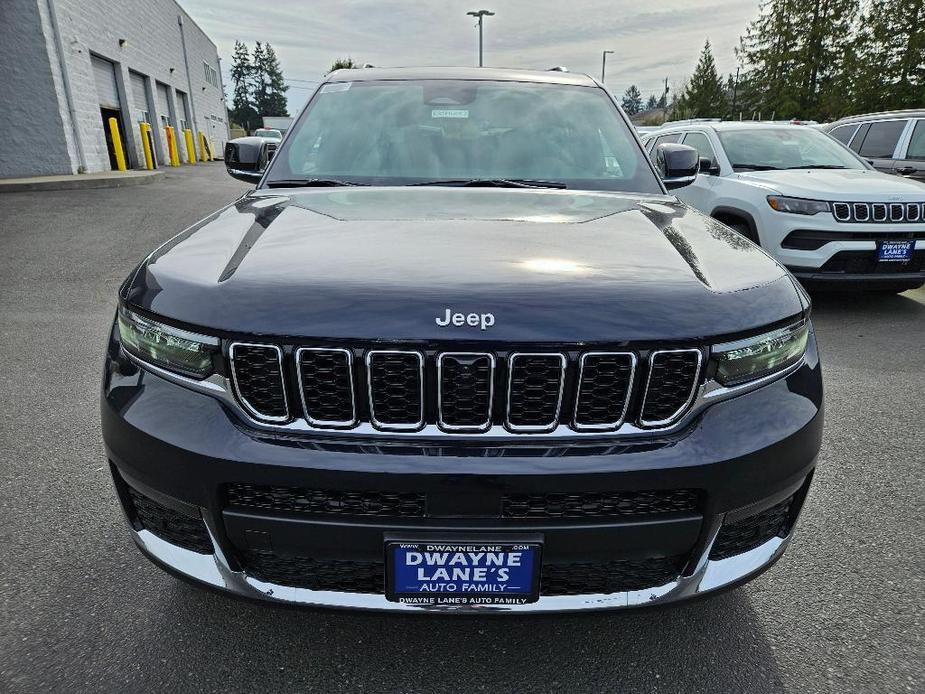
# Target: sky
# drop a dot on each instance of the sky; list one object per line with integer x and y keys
{"x": 650, "y": 40}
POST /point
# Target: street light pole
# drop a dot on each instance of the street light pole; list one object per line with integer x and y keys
{"x": 480, "y": 15}
{"x": 604, "y": 65}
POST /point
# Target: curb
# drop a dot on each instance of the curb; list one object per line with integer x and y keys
{"x": 78, "y": 182}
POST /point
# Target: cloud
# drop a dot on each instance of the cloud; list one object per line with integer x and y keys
{"x": 651, "y": 41}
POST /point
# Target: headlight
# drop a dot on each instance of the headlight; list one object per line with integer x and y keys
{"x": 178, "y": 350}
{"x": 754, "y": 357}
{"x": 797, "y": 205}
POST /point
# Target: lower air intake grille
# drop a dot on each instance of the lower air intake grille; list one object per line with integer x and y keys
{"x": 318, "y": 502}
{"x": 258, "y": 379}
{"x": 466, "y": 391}
{"x": 396, "y": 389}
{"x": 316, "y": 574}
{"x": 172, "y": 526}
{"x": 535, "y": 391}
{"x": 603, "y": 390}
{"x": 753, "y": 531}
{"x": 326, "y": 382}
{"x": 587, "y": 578}
{"x": 599, "y": 504}
{"x": 673, "y": 378}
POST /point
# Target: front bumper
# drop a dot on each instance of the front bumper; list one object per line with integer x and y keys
{"x": 181, "y": 450}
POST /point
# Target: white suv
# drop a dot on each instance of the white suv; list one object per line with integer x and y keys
{"x": 812, "y": 203}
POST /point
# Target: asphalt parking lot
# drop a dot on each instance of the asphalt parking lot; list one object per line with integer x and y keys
{"x": 82, "y": 610}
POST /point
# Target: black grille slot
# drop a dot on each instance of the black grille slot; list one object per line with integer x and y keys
{"x": 396, "y": 396}
{"x": 897, "y": 211}
{"x": 861, "y": 211}
{"x": 603, "y": 390}
{"x": 879, "y": 211}
{"x": 172, "y": 526}
{"x": 753, "y": 531}
{"x": 842, "y": 211}
{"x": 587, "y": 578}
{"x": 316, "y": 574}
{"x": 913, "y": 212}
{"x": 535, "y": 391}
{"x": 599, "y": 504}
{"x": 258, "y": 379}
{"x": 321, "y": 502}
{"x": 466, "y": 390}
{"x": 326, "y": 383}
{"x": 673, "y": 377}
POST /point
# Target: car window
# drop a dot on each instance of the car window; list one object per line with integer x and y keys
{"x": 701, "y": 143}
{"x": 789, "y": 147}
{"x": 881, "y": 138}
{"x": 674, "y": 137}
{"x": 401, "y": 132}
{"x": 917, "y": 143}
{"x": 843, "y": 133}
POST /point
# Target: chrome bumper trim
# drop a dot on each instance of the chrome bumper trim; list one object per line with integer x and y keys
{"x": 214, "y": 570}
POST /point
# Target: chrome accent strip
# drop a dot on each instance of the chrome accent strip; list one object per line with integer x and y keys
{"x": 846, "y": 207}
{"x": 282, "y": 380}
{"x": 710, "y": 392}
{"x": 491, "y": 392}
{"x": 215, "y": 570}
{"x": 535, "y": 428}
{"x": 402, "y": 426}
{"x": 897, "y": 211}
{"x": 335, "y": 424}
{"x": 690, "y": 398}
{"x": 858, "y": 208}
{"x": 612, "y": 426}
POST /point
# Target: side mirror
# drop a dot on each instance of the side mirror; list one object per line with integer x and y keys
{"x": 708, "y": 167}
{"x": 246, "y": 158}
{"x": 676, "y": 164}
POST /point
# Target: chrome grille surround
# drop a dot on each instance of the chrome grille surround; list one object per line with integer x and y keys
{"x": 395, "y": 426}
{"x": 248, "y": 407}
{"x": 879, "y": 212}
{"x": 534, "y": 428}
{"x": 332, "y": 423}
{"x": 914, "y": 211}
{"x": 612, "y": 426}
{"x": 861, "y": 211}
{"x": 445, "y": 426}
{"x": 695, "y": 381}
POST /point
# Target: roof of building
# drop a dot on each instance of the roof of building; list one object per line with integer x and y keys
{"x": 460, "y": 73}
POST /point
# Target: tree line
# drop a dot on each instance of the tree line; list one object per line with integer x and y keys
{"x": 810, "y": 59}
{"x": 258, "y": 85}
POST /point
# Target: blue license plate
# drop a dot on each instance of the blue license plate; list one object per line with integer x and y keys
{"x": 896, "y": 250}
{"x": 462, "y": 573}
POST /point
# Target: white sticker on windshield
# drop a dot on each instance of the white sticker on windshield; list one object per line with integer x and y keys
{"x": 449, "y": 113}
{"x": 336, "y": 87}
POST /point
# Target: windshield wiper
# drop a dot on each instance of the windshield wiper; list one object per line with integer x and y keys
{"x": 755, "y": 167}
{"x": 310, "y": 182}
{"x": 493, "y": 183}
{"x": 818, "y": 166}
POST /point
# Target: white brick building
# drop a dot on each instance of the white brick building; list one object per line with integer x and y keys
{"x": 67, "y": 65}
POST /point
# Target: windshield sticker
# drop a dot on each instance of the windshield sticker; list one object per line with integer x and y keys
{"x": 336, "y": 87}
{"x": 449, "y": 113}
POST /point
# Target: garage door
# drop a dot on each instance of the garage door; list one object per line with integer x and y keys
{"x": 163, "y": 107}
{"x": 105, "y": 75}
{"x": 140, "y": 108}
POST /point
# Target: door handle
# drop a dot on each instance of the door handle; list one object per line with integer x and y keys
{"x": 905, "y": 170}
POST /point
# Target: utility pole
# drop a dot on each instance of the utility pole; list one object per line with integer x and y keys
{"x": 604, "y": 65}
{"x": 480, "y": 15}
{"x": 735, "y": 91}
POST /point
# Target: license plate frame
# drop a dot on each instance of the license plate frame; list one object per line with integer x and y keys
{"x": 401, "y": 576}
{"x": 895, "y": 250}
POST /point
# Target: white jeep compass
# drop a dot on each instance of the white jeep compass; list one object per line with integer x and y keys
{"x": 812, "y": 203}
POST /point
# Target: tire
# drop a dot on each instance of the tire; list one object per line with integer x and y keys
{"x": 745, "y": 230}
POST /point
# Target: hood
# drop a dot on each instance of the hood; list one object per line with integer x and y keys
{"x": 838, "y": 184}
{"x": 386, "y": 263}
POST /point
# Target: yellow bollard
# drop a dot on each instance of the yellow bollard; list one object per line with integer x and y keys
{"x": 172, "y": 146}
{"x": 190, "y": 147}
{"x": 203, "y": 154}
{"x": 146, "y": 145}
{"x": 211, "y": 151}
{"x": 117, "y": 144}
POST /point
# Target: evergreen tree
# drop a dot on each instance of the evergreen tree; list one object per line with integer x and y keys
{"x": 652, "y": 103}
{"x": 632, "y": 100}
{"x": 271, "y": 101}
{"x": 343, "y": 64}
{"x": 886, "y": 68}
{"x": 259, "y": 84}
{"x": 242, "y": 109}
{"x": 705, "y": 95}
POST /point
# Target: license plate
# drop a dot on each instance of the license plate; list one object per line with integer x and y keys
{"x": 900, "y": 251}
{"x": 462, "y": 573}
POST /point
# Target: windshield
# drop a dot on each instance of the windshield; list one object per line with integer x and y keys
{"x": 271, "y": 134}
{"x": 412, "y": 132}
{"x": 765, "y": 149}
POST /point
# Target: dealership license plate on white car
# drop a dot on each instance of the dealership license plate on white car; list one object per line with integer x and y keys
{"x": 899, "y": 251}
{"x": 462, "y": 573}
